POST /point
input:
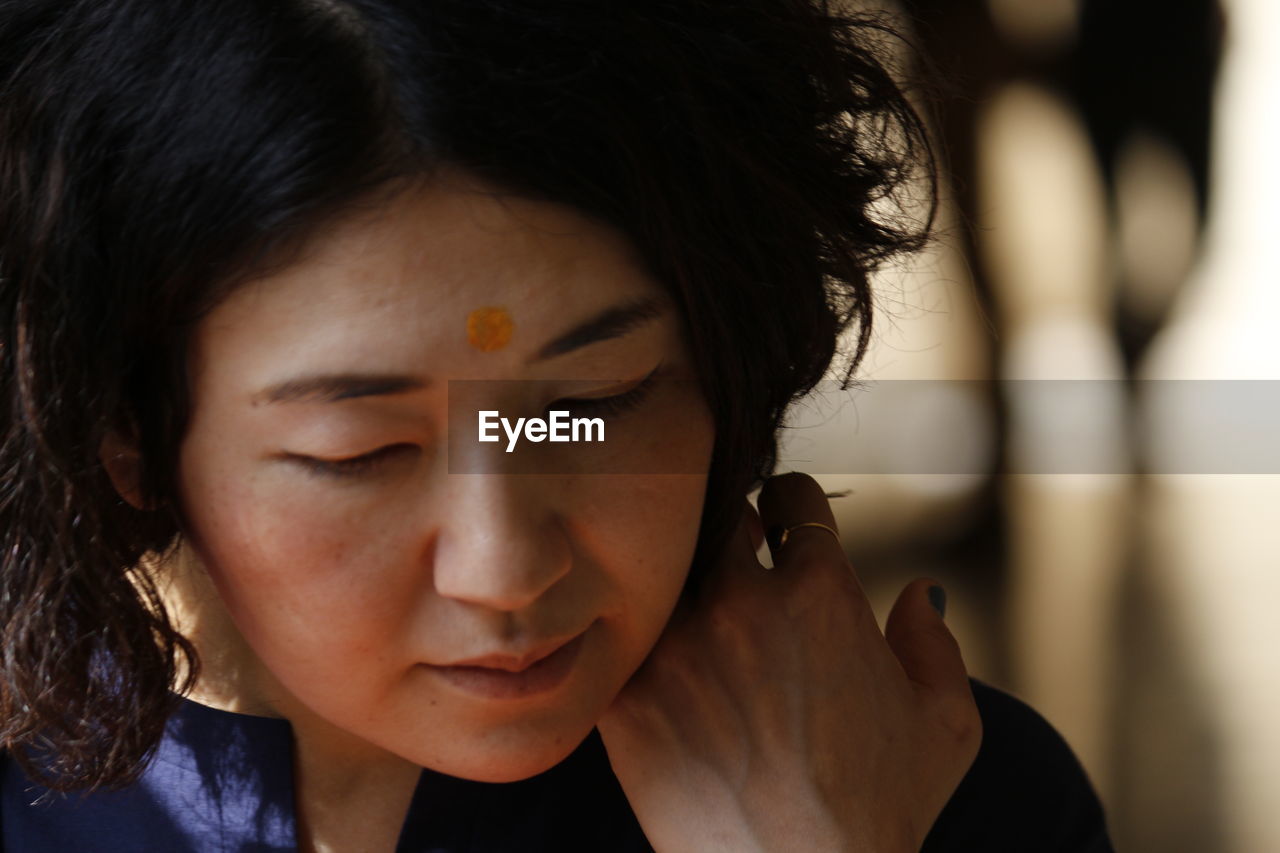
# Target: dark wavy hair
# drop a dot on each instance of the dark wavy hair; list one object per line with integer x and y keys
{"x": 153, "y": 155}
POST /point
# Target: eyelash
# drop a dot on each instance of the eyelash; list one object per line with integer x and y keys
{"x": 356, "y": 466}
{"x": 617, "y": 404}
{"x": 353, "y": 467}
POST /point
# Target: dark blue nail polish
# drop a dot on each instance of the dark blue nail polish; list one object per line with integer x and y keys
{"x": 938, "y": 598}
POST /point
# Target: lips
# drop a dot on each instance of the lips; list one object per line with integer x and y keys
{"x": 511, "y": 677}
{"x": 515, "y": 663}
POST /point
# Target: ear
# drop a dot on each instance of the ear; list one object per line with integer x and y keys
{"x": 123, "y": 462}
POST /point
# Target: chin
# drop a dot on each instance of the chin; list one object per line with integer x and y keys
{"x": 499, "y": 765}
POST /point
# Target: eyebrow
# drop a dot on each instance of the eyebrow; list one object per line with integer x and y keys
{"x": 608, "y": 324}
{"x": 332, "y": 387}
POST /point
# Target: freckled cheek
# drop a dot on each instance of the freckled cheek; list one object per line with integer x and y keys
{"x": 648, "y": 527}
{"x": 670, "y": 501}
{"x": 291, "y": 567}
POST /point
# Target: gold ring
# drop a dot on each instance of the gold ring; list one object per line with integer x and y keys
{"x": 778, "y": 535}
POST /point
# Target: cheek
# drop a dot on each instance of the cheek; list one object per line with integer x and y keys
{"x": 658, "y": 516}
{"x": 646, "y": 529}
{"x": 295, "y": 575}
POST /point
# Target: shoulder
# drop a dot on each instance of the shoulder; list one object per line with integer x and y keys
{"x": 1026, "y": 789}
{"x": 215, "y": 779}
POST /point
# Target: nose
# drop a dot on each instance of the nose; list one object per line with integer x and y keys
{"x": 501, "y": 542}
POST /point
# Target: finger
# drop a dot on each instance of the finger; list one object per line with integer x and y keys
{"x": 793, "y": 499}
{"x": 922, "y": 642}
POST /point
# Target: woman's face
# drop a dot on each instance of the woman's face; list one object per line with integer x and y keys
{"x": 361, "y": 586}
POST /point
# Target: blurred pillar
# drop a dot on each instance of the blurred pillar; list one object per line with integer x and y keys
{"x": 1214, "y": 546}
{"x": 1067, "y": 495}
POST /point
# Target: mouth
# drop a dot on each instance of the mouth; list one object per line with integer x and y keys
{"x": 515, "y": 663}
{"x": 513, "y": 677}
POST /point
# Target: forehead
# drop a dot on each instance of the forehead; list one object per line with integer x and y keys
{"x": 458, "y": 236}
{"x": 410, "y": 280}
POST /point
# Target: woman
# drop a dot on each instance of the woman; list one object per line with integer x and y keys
{"x": 265, "y": 583}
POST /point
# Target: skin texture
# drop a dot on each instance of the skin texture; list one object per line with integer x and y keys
{"x": 318, "y": 597}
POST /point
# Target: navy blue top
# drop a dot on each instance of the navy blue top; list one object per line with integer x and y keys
{"x": 223, "y": 782}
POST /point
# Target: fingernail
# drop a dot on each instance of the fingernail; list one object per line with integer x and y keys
{"x": 938, "y": 598}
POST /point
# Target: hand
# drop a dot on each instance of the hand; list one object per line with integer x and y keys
{"x": 773, "y": 715}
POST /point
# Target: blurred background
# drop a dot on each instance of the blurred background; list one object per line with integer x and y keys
{"x": 1054, "y": 384}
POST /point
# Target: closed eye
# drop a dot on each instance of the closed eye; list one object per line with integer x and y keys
{"x": 615, "y": 405}
{"x": 369, "y": 463}
{"x": 352, "y": 466}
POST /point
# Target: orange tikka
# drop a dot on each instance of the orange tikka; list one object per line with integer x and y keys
{"x": 489, "y": 328}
